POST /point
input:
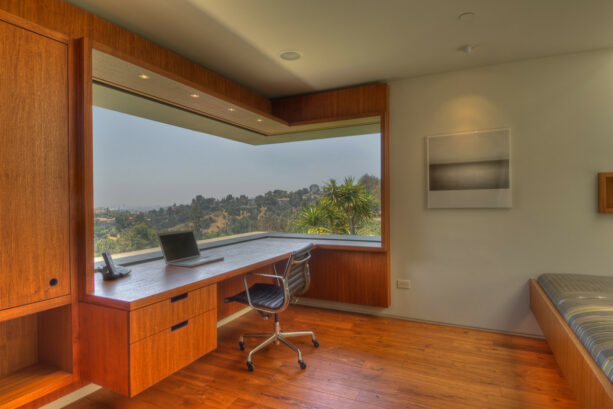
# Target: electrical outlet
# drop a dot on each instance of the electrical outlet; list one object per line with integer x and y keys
{"x": 406, "y": 284}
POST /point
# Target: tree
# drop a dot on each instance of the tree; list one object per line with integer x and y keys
{"x": 313, "y": 220}
{"x": 346, "y": 209}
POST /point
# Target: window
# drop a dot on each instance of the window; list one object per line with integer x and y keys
{"x": 151, "y": 176}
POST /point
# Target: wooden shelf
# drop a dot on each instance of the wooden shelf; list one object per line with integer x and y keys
{"x": 605, "y": 192}
{"x": 28, "y": 384}
{"x": 27, "y": 309}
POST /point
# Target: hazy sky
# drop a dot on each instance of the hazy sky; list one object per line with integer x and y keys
{"x": 139, "y": 162}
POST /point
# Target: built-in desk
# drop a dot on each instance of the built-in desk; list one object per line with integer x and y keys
{"x": 139, "y": 329}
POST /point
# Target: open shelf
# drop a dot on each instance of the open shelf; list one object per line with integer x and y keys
{"x": 35, "y": 356}
{"x": 605, "y": 192}
{"x": 30, "y": 383}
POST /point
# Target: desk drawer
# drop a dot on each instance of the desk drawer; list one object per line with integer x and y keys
{"x": 157, "y": 317}
{"x": 156, "y": 357}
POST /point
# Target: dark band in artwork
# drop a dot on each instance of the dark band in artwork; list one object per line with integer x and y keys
{"x": 492, "y": 174}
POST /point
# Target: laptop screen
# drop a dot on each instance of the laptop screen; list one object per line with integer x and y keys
{"x": 176, "y": 246}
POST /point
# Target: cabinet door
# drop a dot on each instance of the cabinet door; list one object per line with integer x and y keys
{"x": 34, "y": 184}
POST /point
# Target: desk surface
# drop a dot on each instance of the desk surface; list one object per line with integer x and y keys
{"x": 153, "y": 281}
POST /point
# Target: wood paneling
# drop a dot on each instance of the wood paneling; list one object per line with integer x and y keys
{"x": 366, "y": 100}
{"x": 350, "y": 277}
{"x": 363, "y": 363}
{"x": 34, "y": 174}
{"x": 592, "y": 388}
{"x": 103, "y": 347}
{"x": 18, "y": 344}
{"x": 605, "y": 192}
{"x": 55, "y": 338}
{"x": 154, "y": 318}
{"x": 74, "y": 22}
{"x": 156, "y": 357}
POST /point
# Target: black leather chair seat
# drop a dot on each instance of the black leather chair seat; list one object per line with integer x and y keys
{"x": 263, "y": 295}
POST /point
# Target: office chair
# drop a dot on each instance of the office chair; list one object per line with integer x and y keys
{"x": 270, "y": 299}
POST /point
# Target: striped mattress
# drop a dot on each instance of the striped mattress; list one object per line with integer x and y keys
{"x": 586, "y": 303}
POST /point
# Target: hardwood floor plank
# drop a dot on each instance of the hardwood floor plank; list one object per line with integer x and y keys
{"x": 363, "y": 362}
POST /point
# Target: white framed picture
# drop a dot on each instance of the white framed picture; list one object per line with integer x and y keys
{"x": 469, "y": 170}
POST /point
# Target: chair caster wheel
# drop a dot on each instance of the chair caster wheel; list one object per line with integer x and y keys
{"x": 316, "y": 343}
{"x": 302, "y": 364}
{"x": 241, "y": 345}
{"x": 250, "y": 366}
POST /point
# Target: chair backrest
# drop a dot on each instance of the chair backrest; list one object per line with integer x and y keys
{"x": 297, "y": 274}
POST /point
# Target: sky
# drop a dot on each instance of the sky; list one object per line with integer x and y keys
{"x": 143, "y": 163}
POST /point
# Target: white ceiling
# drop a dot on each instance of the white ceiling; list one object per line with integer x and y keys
{"x": 349, "y": 42}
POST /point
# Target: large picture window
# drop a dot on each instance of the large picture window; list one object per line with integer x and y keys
{"x": 151, "y": 176}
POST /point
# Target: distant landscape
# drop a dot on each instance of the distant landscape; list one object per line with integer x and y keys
{"x": 351, "y": 206}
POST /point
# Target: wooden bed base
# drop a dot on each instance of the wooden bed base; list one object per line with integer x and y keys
{"x": 590, "y": 385}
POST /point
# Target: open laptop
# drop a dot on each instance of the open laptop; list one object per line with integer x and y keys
{"x": 181, "y": 249}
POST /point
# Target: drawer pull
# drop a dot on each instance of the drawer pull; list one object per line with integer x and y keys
{"x": 179, "y": 325}
{"x": 178, "y": 297}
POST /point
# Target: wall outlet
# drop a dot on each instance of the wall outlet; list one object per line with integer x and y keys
{"x": 403, "y": 284}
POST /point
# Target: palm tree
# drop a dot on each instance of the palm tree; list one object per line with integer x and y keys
{"x": 343, "y": 209}
{"x": 313, "y": 220}
{"x": 356, "y": 203}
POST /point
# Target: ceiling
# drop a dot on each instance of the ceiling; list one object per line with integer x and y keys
{"x": 350, "y": 42}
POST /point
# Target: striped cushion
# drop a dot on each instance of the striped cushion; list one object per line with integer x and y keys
{"x": 586, "y": 303}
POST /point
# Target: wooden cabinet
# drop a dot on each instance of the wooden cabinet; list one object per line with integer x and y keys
{"x": 130, "y": 350}
{"x": 34, "y": 184}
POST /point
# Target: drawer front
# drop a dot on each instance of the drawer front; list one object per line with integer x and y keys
{"x": 157, "y": 317}
{"x": 156, "y": 357}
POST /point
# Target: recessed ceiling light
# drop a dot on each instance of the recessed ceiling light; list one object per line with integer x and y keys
{"x": 290, "y": 55}
{"x": 143, "y": 76}
{"x": 259, "y": 119}
{"x": 231, "y": 109}
{"x": 466, "y": 16}
{"x": 467, "y": 48}
{"x": 194, "y": 95}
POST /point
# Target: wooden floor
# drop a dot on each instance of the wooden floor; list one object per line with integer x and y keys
{"x": 363, "y": 362}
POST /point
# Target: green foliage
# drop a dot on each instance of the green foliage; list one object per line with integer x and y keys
{"x": 348, "y": 208}
{"x": 343, "y": 209}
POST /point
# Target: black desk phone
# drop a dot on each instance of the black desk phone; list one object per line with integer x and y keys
{"x": 111, "y": 271}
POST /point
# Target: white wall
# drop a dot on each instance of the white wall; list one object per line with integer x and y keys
{"x": 471, "y": 267}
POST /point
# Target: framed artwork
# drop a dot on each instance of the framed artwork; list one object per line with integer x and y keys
{"x": 469, "y": 170}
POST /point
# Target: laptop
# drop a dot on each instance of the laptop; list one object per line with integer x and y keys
{"x": 180, "y": 249}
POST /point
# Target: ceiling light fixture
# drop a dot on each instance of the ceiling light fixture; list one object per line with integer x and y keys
{"x": 259, "y": 119}
{"x": 467, "y": 48}
{"x": 194, "y": 95}
{"x": 231, "y": 109}
{"x": 466, "y": 16}
{"x": 290, "y": 55}
{"x": 143, "y": 76}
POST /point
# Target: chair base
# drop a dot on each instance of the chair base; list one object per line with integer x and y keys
{"x": 277, "y": 337}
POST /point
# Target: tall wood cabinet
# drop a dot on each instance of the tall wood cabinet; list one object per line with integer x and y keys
{"x": 34, "y": 185}
{"x": 36, "y": 304}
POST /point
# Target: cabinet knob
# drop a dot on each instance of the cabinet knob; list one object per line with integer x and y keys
{"x": 53, "y": 282}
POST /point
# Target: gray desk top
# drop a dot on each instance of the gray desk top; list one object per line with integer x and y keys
{"x": 153, "y": 281}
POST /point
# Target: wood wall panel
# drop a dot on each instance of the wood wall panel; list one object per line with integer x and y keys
{"x": 589, "y": 383}
{"x": 340, "y": 104}
{"x": 18, "y": 344}
{"x": 350, "y": 277}
{"x": 55, "y": 338}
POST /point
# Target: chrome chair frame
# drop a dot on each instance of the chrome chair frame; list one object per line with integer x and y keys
{"x": 278, "y": 336}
